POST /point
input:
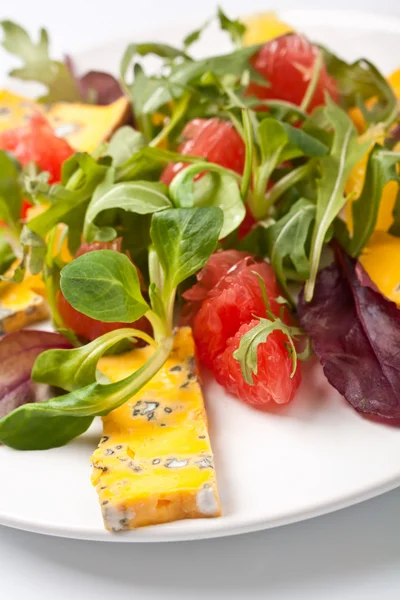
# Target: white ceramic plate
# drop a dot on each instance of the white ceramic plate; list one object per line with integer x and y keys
{"x": 315, "y": 456}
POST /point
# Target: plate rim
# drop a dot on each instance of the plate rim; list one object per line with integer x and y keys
{"x": 150, "y": 534}
{"x": 354, "y": 20}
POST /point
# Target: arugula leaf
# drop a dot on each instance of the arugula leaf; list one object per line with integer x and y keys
{"x": 179, "y": 111}
{"x": 195, "y": 35}
{"x": 360, "y": 81}
{"x": 125, "y": 142}
{"x": 279, "y": 109}
{"x": 141, "y": 197}
{"x": 301, "y": 143}
{"x": 395, "y": 228}
{"x": 53, "y": 264}
{"x": 37, "y": 64}
{"x": 81, "y": 175}
{"x": 104, "y": 285}
{"x": 150, "y": 94}
{"x": 184, "y": 238}
{"x": 346, "y": 151}
{"x": 7, "y": 256}
{"x": 218, "y": 187}
{"x": 288, "y": 237}
{"x": 142, "y": 87}
{"x": 381, "y": 168}
{"x": 235, "y": 28}
{"x": 55, "y": 422}
{"x": 75, "y": 368}
{"x": 34, "y": 250}
{"x": 278, "y": 142}
{"x": 146, "y": 48}
{"x": 10, "y": 193}
{"x": 148, "y": 163}
{"x": 247, "y": 353}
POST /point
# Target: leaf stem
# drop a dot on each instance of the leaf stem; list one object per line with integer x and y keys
{"x": 132, "y": 384}
{"x": 283, "y": 185}
{"x": 248, "y": 166}
{"x": 75, "y": 180}
{"x": 160, "y": 328}
{"x": 177, "y": 115}
{"x": 308, "y": 96}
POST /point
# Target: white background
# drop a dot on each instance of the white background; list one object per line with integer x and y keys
{"x": 353, "y": 554}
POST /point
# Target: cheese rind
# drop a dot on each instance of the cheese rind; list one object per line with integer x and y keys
{"x": 154, "y": 463}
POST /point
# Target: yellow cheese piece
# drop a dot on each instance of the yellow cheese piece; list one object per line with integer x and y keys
{"x": 84, "y": 126}
{"x": 264, "y": 27}
{"x": 155, "y": 463}
{"x": 380, "y": 259}
{"x": 22, "y": 304}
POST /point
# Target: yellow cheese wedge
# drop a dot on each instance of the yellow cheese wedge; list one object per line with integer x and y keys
{"x": 22, "y": 304}
{"x": 264, "y": 27}
{"x": 155, "y": 463}
{"x": 84, "y": 126}
{"x": 380, "y": 259}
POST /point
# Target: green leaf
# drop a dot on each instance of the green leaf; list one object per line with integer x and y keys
{"x": 195, "y": 35}
{"x": 133, "y": 51}
{"x": 10, "y": 193}
{"x": 81, "y": 175}
{"x": 37, "y": 64}
{"x": 34, "y": 248}
{"x": 148, "y": 163}
{"x": 73, "y": 369}
{"x": 142, "y": 88}
{"x": 104, "y": 285}
{"x": 273, "y": 138}
{"x": 235, "y": 28}
{"x": 184, "y": 238}
{"x": 279, "y": 142}
{"x": 7, "y": 256}
{"x": 250, "y": 153}
{"x": 381, "y": 168}
{"x": 303, "y": 142}
{"x": 53, "y": 264}
{"x": 55, "y": 422}
{"x": 124, "y": 144}
{"x": 360, "y": 81}
{"x": 148, "y": 98}
{"x": 247, "y": 353}
{"x": 395, "y": 228}
{"x": 288, "y": 237}
{"x": 346, "y": 151}
{"x": 140, "y": 197}
{"x": 218, "y": 187}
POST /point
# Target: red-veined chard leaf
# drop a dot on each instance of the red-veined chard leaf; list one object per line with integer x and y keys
{"x": 18, "y": 352}
{"x": 95, "y": 87}
{"x": 355, "y": 332}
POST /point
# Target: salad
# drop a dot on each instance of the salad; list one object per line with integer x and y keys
{"x": 238, "y": 213}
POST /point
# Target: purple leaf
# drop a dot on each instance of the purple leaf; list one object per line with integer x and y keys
{"x": 96, "y": 87}
{"x": 18, "y": 352}
{"x": 100, "y": 88}
{"x": 355, "y": 332}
